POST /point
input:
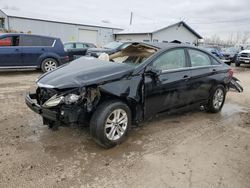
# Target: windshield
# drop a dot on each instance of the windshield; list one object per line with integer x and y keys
{"x": 113, "y": 45}
{"x": 209, "y": 49}
{"x": 229, "y": 50}
{"x": 132, "y": 55}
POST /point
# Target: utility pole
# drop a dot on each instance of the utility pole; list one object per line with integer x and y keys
{"x": 131, "y": 18}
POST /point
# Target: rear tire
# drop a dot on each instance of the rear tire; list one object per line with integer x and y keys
{"x": 216, "y": 100}
{"x": 237, "y": 63}
{"x": 110, "y": 123}
{"x": 49, "y": 64}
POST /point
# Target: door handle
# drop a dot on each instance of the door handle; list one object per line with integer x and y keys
{"x": 16, "y": 49}
{"x": 186, "y": 77}
{"x": 214, "y": 71}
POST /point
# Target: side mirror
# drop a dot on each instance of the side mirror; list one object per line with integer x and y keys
{"x": 152, "y": 71}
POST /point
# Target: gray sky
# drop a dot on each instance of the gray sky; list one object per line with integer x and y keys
{"x": 208, "y": 17}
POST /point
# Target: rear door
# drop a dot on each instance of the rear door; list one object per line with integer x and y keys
{"x": 171, "y": 87}
{"x": 10, "y": 52}
{"x": 202, "y": 74}
{"x": 33, "y": 47}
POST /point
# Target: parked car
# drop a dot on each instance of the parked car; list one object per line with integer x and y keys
{"x": 138, "y": 82}
{"x": 243, "y": 57}
{"x": 230, "y": 54}
{"x": 31, "y": 51}
{"x": 77, "y": 49}
{"x": 218, "y": 53}
{"x": 110, "y": 48}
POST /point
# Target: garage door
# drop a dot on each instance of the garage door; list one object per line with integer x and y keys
{"x": 87, "y": 36}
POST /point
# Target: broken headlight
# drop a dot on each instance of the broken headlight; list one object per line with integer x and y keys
{"x": 56, "y": 100}
{"x": 53, "y": 101}
{"x": 71, "y": 98}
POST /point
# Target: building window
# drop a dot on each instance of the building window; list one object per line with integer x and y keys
{"x": 146, "y": 41}
{"x": 155, "y": 40}
{"x": 165, "y": 41}
{"x": 1, "y": 23}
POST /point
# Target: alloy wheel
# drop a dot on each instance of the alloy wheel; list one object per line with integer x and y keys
{"x": 218, "y": 98}
{"x": 116, "y": 124}
{"x": 50, "y": 65}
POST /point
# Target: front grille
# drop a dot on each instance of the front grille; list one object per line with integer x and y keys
{"x": 244, "y": 55}
{"x": 44, "y": 94}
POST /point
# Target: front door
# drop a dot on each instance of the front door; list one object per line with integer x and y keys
{"x": 10, "y": 52}
{"x": 170, "y": 88}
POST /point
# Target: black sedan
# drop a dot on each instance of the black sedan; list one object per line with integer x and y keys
{"x": 77, "y": 49}
{"x": 109, "y": 48}
{"x": 135, "y": 84}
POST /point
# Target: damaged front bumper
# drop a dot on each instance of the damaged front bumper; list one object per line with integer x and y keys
{"x": 65, "y": 114}
{"x": 46, "y": 113}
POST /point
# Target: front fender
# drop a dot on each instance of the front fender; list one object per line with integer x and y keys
{"x": 128, "y": 88}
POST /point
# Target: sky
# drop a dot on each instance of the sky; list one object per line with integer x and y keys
{"x": 224, "y": 18}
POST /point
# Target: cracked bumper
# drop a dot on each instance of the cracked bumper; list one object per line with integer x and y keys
{"x": 46, "y": 113}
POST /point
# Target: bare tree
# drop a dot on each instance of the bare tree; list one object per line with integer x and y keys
{"x": 245, "y": 37}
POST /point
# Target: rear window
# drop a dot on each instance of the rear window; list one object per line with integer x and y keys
{"x": 198, "y": 58}
{"x": 36, "y": 41}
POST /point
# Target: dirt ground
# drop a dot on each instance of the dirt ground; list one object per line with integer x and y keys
{"x": 185, "y": 149}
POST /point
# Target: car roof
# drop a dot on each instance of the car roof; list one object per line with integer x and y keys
{"x": 164, "y": 45}
{"x": 22, "y": 34}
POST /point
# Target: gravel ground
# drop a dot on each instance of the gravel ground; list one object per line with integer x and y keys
{"x": 186, "y": 149}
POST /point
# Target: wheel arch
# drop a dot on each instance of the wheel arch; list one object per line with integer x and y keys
{"x": 133, "y": 105}
{"x": 48, "y": 56}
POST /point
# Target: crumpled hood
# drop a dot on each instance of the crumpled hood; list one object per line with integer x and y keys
{"x": 245, "y": 51}
{"x": 83, "y": 72}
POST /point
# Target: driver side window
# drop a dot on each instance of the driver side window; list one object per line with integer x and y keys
{"x": 173, "y": 59}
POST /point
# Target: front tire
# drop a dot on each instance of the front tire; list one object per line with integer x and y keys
{"x": 110, "y": 123}
{"x": 216, "y": 100}
{"x": 49, "y": 64}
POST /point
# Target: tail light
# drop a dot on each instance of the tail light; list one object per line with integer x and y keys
{"x": 230, "y": 72}
{"x": 66, "y": 58}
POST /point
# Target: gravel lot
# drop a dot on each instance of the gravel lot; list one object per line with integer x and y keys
{"x": 186, "y": 149}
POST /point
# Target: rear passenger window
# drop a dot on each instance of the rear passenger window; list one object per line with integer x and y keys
{"x": 36, "y": 41}
{"x": 215, "y": 62}
{"x": 198, "y": 58}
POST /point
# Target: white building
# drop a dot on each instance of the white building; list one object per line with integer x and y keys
{"x": 179, "y": 32}
{"x": 66, "y": 29}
